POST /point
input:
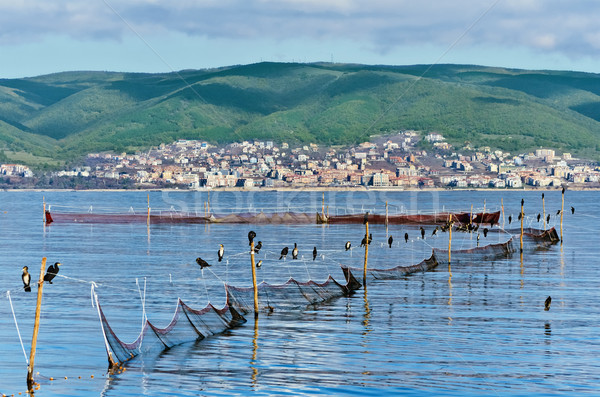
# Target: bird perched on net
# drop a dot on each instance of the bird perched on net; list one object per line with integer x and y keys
{"x": 284, "y": 253}
{"x": 26, "y": 277}
{"x": 259, "y": 264}
{"x": 390, "y": 241}
{"x": 406, "y": 237}
{"x": 52, "y": 272}
{"x": 485, "y": 231}
{"x": 295, "y": 252}
{"x": 548, "y": 219}
{"x": 547, "y": 303}
{"x": 314, "y": 253}
{"x": 257, "y": 247}
{"x": 202, "y": 263}
{"x": 509, "y": 219}
{"x": 435, "y": 231}
{"x": 348, "y": 245}
{"x": 422, "y": 233}
{"x": 221, "y": 252}
{"x": 538, "y": 217}
{"x": 572, "y": 210}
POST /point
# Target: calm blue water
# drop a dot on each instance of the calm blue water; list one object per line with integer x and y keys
{"x": 482, "y": 331}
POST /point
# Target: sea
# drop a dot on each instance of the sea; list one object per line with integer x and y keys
{"x": 476, "y": 327}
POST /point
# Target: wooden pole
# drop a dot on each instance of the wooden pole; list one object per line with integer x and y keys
{"x": 148, "y": 218}
{"x": 502, "y": 205}
{"x": 36, "y": 326}
{"x": 449, "y": 239}
{"x": 522, "y": 216}
{"x": 366, "y": 252}
{"x": 254, "y": 279}
{"x": 544, "y": 211}
{"x": 562, "y": 210}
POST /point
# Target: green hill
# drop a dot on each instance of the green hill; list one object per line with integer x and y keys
{"x": 69, "y": 114}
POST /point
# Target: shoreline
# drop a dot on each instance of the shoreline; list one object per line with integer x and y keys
{"x": 318, "y": 189}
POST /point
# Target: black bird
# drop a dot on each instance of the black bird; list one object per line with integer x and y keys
{"x": 363, "y": 242}
{"x": 284, "y": 253}
{"x": 314, "y": 253}
{"x": 563, "y": 190}
{"x": 295, "y": 252}
{"x": 390, "y": 241}
{"x": 221, "y": 252}
{"x": 202, "y": 263}
{"x": 547, "y": 303}
{"x": 557, "y": 212}
{"x": 434, "y": 231}
{"x": 257, "y": 247}
{"x": 366, "y": 218}
{"x": 348, "y": 245}
{"x": 406, "y": 237}
{"x": 548, "y": 219}
{"x": 26, "y": 277}
{"x": 492, "y": 223}
{"x": 572, "y": 210}
{"x": 422, "y": 233}
{"x": 538, "y": 217}
{"x": 509, "y": 219}
{"x": 519, "y": 217}
{"x": 259, "y": 264}
{"x": 485, "y": 231}
{"x": 370, "y": 238}
{"x": 251, "y": 235}
{"x": 52, "y": 272}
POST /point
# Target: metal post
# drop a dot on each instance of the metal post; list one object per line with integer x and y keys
{"x": 562, "y": 210}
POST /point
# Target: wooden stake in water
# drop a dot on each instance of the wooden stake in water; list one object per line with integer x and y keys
{"x": 366, "y": 247}
{"x": 148, "y": 218}
{"x": 254, "y": 279}
{"x": 562, "y": 209}
{"x": 544, "y": 211}
{"x": 36, "y": 326}
{"x": 449, "y": 239}
{"x": 522, "y": 219}
{"x": 502, "y": 206}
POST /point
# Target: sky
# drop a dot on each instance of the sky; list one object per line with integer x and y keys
{"x": 47, "y": 36}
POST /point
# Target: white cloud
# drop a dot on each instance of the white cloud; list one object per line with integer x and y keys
{"x": 551, "y": 25}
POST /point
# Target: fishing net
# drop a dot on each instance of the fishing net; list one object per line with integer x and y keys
{"x": 415, "y": 219}
{"x": 475, "y": 254}
{"x": 290, "y": 295}
{"x": 187, "y": 325}
{"x": 398, "y": 271}
{"x": 162, "y": 216}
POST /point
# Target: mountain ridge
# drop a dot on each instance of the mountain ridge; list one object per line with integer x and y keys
{"x": 68, "y": 114}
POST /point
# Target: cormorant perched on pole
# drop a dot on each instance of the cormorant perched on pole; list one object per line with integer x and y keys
{"x": 348, "y": 245}
{"x": 390, "y": 241}
{"x": 370, "y": 240}
{"x": 314, "y": 253}
{"x": 202, "y": 263}
{"x": 26, "y": 277}
{"x": 251, "y": 235}
{"x": 52, "y": 272}
{"x": 366, "y": 218}
{"x": 221, "y": 252}
{"x": 363, "y": 242}
{"x": 284, "y": 253}
{"x": 295, "y": 252}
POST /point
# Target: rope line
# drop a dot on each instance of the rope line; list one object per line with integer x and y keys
{"x": 17, "y": 326}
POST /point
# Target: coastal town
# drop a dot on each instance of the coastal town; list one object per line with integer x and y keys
{"x": 403, "y": 159}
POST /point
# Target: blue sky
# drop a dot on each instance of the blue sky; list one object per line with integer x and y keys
{"x": 46, "y": 36}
